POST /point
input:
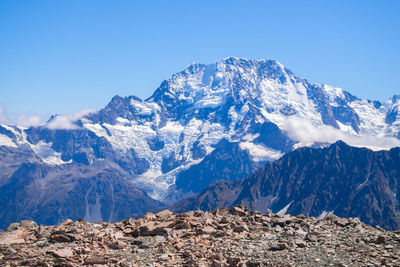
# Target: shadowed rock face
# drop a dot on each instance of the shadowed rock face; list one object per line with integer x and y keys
{"x": 346, "y": 181}
{"x": 51, "y": 194}
{"x": 226, "y": 162}
{"x": 224, "y": 237}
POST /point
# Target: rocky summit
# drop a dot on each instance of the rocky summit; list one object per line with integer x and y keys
{"x": 224, "y": 237}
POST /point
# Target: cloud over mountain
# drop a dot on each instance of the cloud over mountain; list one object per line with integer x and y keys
{"x": 303, "y": 131}
{"x": 67, "y": 122}
{"x": 3, "y": 116}
{"x": 29, "y": 120}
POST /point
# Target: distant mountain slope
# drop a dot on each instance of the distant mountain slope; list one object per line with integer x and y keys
{"x": 31, "y": 189}
{"x": 339, "y": 179}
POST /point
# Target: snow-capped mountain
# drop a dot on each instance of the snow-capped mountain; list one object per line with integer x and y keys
{"x": 246, "y": 111}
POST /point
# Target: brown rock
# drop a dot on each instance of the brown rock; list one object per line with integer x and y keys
{"x": 96, "y": 260}
{"x": 128, "y": 230}
{"x": 151, "y": 229}
{"x": 233, "y": 261}
{"x": 237, "y": 210}
{"x": 254, "y": 236}
{"x": 14, "y": 237}
{"x": 217, "y": 263}
{"x": 179, "y": 245}
{"x": 67, "y": 222}
{"x": 120, "y": 245}
{"x": 62, "y": 253}
{"x": 13, "y": 226}
{"x": 182, "y": 225}
{"x": 146, "y": 227}
{"x": 28, "y": 224}
{"x": 207, "y": 230}
{"x": 300, "y": 243}
{"x": 278, "y": 246}
{"x": 380, "y": 240}
{"x": 149, "y": 216}
{"x": 164, "y": 214}
{"x": 60, "y": 236}
{"x": 241, "y": 228}
{"x": 224, "y": 220}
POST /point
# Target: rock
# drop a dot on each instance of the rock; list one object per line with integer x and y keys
{"x": 152, "y": 230}
{"x": 301, "y": 232}
{"x": 217, "y": 263}
{"x": 278, "y": 229}
{"x": 241, "y": 228}
{"x": 208, "y": 239}
{"x": 179, "y": 245}
{"x": 278, "y": 246}
{"x": 380, "y": 240}
{"x": 224, "y": 220}
{"x": 182, "y": 225}
{"x": 60, "y": 236}
{"x": 96, "y": 260}
{"x": 68, "y": 222}
{"x": 253, "y": 264}
{"x": 338, "y": 221}
{"x": 311, "y": 238}
{"x": 164, "y": 257}
{"x": 233, "y": 261}
{"x": 207, "y": 230}
{"x": 157, "y": 239}
{"x": 149, "y": 216}
{"x": 237, "y": 210}
{"x": 120, "y": 244}
{"x": 281, "y": 221}
{"x": 13, "y": 237}
{"x": 164, "y": 214}
{"x": 62, "y": 253}
{"x": 329, "y": 251}
{"x": 13, "y": 226}
{"x": 146, "y": 227}
{"x": 332, "y": 217}
{"x": 300, "y": 243}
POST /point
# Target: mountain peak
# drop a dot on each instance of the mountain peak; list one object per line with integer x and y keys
{"x": 395, "y": 98}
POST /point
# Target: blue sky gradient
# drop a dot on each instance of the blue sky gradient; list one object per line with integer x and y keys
{"x": 60, "y": 57}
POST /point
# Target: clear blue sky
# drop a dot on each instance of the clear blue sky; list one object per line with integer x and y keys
{"x": 65, "y": 56}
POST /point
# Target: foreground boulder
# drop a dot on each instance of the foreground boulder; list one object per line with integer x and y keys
{"x": 223, "y": 237}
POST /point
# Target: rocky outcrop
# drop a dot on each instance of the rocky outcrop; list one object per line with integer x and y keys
{"x": 224, "y": 237}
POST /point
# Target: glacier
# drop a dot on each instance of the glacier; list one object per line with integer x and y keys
{"x": 259, "y": 104}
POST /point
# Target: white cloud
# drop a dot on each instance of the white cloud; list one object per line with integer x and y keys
{"x": 67, "y": 122}
{"x": 29, "y": 120}
{"x": 304, "y": 132}
{"x": 3, "y": 117}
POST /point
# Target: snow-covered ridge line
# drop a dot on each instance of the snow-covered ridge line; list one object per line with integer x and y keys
{"x": 259, "y": 104}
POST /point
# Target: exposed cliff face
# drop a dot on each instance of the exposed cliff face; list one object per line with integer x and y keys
{"x": 346, "y": 181}
{"x": 227, "y": 162}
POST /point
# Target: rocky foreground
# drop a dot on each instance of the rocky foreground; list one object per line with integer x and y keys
{"x": 221, "y": 238}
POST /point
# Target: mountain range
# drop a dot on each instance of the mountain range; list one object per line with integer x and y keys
{"x": 339, "y": 179}
{"x": 209, "y": 122}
